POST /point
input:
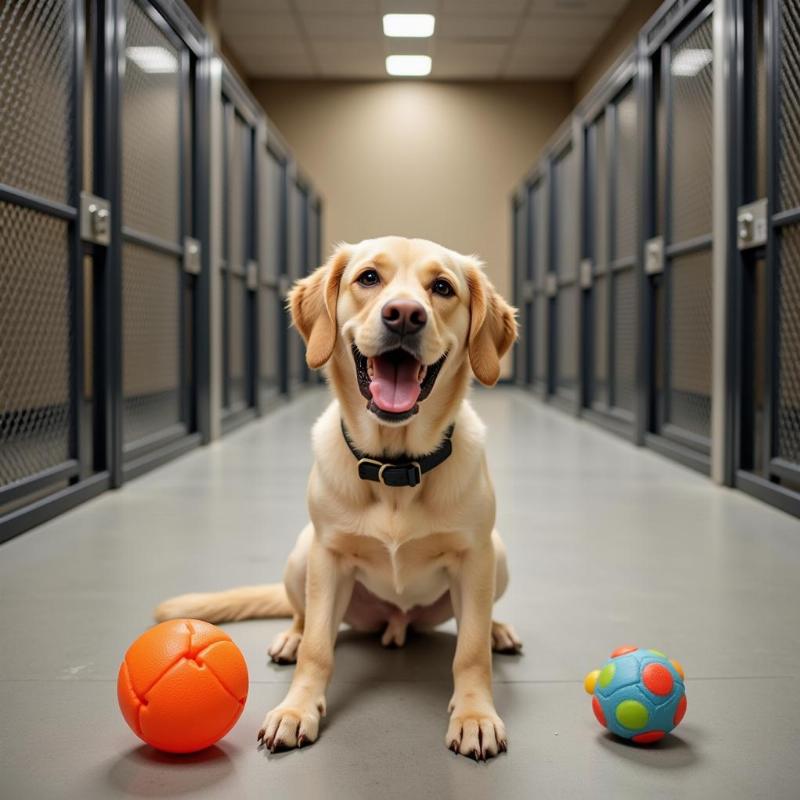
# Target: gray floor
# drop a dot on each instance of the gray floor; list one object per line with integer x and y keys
{"x": 608, "y": 545}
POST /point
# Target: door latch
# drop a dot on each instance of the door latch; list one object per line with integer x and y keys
{"x": 95, "y": 219}
{"x": 751, "y": 224}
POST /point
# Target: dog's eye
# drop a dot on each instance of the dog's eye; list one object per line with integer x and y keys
{"x": 369, "y": 277}
{"x": 442, "y": 287}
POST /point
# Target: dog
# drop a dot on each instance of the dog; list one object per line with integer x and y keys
{"x": 400, "y": 499}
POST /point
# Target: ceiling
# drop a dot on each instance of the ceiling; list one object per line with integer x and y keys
{"x": 474, "y": 39}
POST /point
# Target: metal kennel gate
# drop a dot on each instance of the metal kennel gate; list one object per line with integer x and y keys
{"x": 610, "y": 266}
{"x": 53, "y": 439}
{"x": 239, "y": 266}
{"x": 561, "y": 282}
{"x": 519, "y": 222}
{"x": 766, "y": 291}
{"x": 298, "y": 267}
{"x": 678, "y": 258}
{"x": 159, "y": 242}
{"x": 273, "y": 212}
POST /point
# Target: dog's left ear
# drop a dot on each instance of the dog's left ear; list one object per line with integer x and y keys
{"x": 312, "y": 302}
{"x": 492, "y": 328}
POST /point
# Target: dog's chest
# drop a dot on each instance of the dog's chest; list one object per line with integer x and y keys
{"x": 408, "y": 570}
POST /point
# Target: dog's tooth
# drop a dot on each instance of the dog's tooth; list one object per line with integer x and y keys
{"x": 423, "y": 371}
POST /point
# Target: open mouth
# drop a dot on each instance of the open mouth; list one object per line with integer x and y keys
{"x": 395, "y": 382}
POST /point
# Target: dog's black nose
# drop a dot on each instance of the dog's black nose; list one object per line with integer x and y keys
{"x": 404, "y": 316}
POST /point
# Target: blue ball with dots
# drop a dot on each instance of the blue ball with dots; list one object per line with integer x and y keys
{"x": 638, "y": 694}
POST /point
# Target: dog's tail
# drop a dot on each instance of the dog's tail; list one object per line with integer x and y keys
{"x": 245, "y": 602}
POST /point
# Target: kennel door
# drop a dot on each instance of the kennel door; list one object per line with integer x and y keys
{"x": 239, "y": 265}
{"x": 157, "y": 177}
{"x": 273, "y": 325}
{"x": 679, "y": 254}
{"x": 298, "y": 266}
{"x": 519, "y": 211}
{"x": 46, "y": 387}
{"x": 564, "y": 286}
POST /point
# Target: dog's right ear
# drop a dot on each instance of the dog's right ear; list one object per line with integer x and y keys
{"x": 312, "y": 302}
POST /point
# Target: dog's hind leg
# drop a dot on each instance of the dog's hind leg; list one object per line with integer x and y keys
{"x": 283, "y": 649}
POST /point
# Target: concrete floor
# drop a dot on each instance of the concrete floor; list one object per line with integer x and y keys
{"x": 608, "y": 545}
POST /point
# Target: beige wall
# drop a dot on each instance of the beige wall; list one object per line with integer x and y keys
{"x": 621, "y": 34}
{"x": 427, "y": 159}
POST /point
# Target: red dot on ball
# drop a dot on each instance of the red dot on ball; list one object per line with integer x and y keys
{"x": 649, "y": 737}
{"x": 621, "y": 651}
{"x": 598, "y": 712}
{"x": 657, "y": 678}
{"x": 680, "y": 711}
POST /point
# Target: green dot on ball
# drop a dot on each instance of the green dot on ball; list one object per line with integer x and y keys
{"x": 658, "y": 653}
{"x": 606, "y": 674}
{"x": 632, "y": 714}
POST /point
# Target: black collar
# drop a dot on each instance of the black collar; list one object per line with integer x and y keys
{"x": 401, "y": 470}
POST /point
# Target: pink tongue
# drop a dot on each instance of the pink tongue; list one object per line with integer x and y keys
{"x": 394, "y": 385}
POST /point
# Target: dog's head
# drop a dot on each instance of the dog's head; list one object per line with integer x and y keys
{"x": 402, "y": 319}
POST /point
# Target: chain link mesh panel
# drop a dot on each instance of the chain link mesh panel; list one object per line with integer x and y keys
{"x": 626, "y": 204}
{"x": 566, "y": 204}
{"x": 150, "y": 342}
{"x": 539, "y": 233}
{"x": 690, "y": 343}
{"x": 270, "y": 315}
{"x": 36, "y": 139}
{"x": 788, "y": 421}
{"x": 236, "y": 209}
{"x": 273, "y": 198}
{"x": 150, "y": 129}
{"x": 600, "y": 197}
{"x": 567, "y": 343}
{"x": 789, "y": 114}
{"x": 235, "y": 206}
{"x": 691, "y": 76}
{"x": 600, "y": 339}
{"x": 540, "y": 337}
{"x": 625, "y": 339}
{"x": 35, "y": 342}
{"x": 237, "y": 340}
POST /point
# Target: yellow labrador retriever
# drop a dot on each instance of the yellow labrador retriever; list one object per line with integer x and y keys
{"x": 401, "y": 503}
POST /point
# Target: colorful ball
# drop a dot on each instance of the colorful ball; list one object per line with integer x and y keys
{"x": 182, "y": 685}
{"x": 638, "y": 694}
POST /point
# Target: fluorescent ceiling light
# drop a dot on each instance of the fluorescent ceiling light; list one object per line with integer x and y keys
{"x": 156, "y": 60}
{"x": 689, "y": 62}
{"x": 408, "y": 65}
{"x": 409, "y": 26}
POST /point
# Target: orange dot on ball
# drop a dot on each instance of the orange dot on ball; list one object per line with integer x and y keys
{"x": 621, "y": 651}
{"x": 680, "y": 711}
{"x": 658, "y": 679}
{"x": 598, "y": 712}
{"x": 649, "y": 737}
{"x": 182, "y": 685}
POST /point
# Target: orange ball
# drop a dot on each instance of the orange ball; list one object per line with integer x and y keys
{"x": 182, "y": 685}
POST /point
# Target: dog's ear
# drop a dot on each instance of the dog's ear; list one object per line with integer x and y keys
{"x": 492, "y": 328}
{"x": 312, "y": 302}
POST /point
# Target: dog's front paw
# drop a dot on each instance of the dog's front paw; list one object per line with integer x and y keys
{"x": 476, "y": 733}
{"x": 289, "y": 726}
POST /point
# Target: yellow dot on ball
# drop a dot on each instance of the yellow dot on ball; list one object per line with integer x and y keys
{"x": 632, "y": 714}
{"x": 590, "y": 680}
{"x": 678, "y": 668}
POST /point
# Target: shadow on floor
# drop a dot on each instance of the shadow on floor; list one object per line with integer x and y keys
{"x": 141, "y": 770}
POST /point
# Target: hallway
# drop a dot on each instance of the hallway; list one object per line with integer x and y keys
{"x": 608, "y": 544}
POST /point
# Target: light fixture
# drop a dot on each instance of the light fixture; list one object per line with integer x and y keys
{"x": 409, "y": 26}
{"x": 409, "y": 66}
{"x": 689, "y": 62}
{"x": 155, "y": 60}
